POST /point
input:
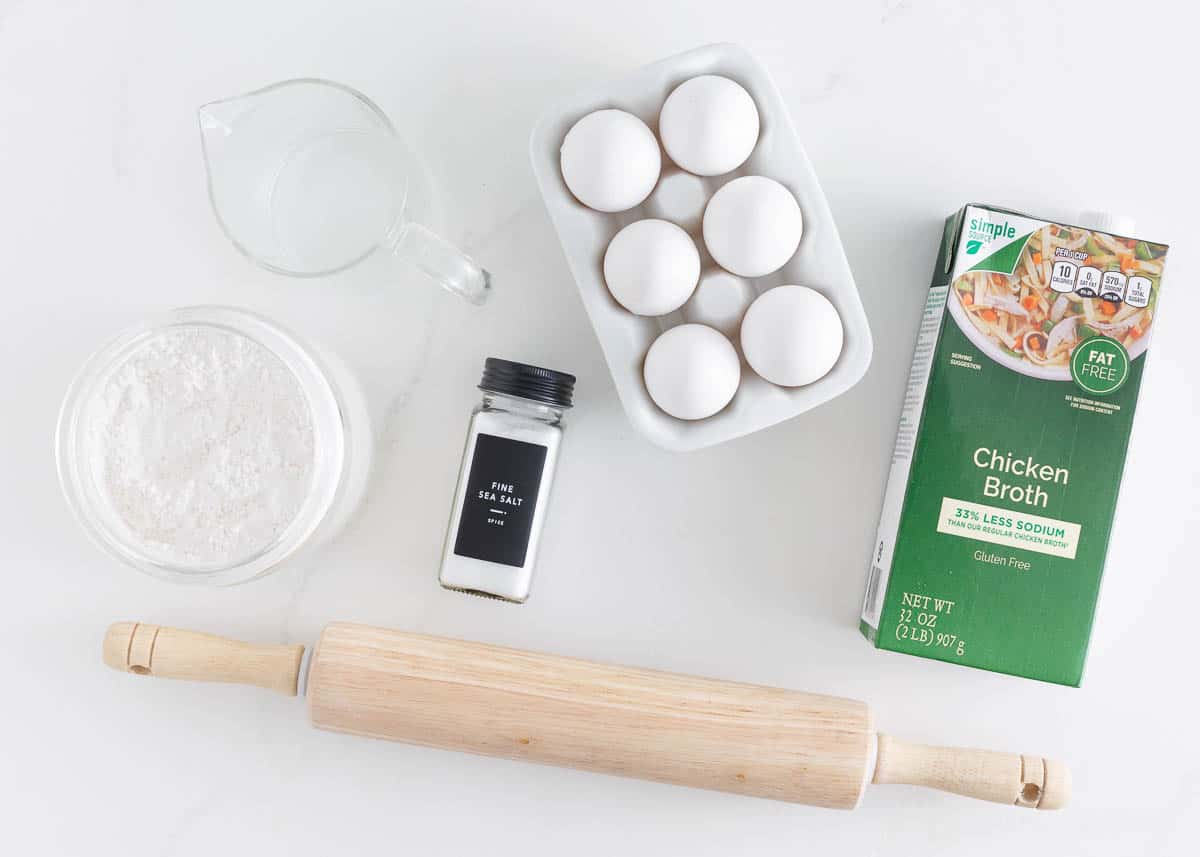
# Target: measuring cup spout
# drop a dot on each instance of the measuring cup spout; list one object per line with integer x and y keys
{"x": 234, "y": 175}
{"x": 217, "y": 118}
{"x": 217, "y": 122}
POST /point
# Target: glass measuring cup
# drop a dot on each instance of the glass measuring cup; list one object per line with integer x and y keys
{"x": 308, "y": 177}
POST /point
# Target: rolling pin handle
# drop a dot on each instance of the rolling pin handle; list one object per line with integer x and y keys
{"x": 1026, "y": 781}
{"x": 157, "y": 650}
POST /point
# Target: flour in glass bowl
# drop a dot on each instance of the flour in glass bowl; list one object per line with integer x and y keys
{"x": 202, "y": 446}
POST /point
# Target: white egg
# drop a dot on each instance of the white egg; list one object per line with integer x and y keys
{"x": 692, "y": 371}
{"x": 651, "y": 267}
{"x": 709, "y": 125}
{"x": 752, "y": 226}
{"x": 610, "y": 160}
{"x": 791, "y": 335}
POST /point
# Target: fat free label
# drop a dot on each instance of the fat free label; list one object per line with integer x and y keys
{"x": 1100, "y": 365}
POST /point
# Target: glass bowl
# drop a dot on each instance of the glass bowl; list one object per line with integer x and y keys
{"x": 78, "y": 472}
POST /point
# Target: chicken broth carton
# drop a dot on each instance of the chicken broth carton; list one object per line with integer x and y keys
{"x": 1011, "y": 444}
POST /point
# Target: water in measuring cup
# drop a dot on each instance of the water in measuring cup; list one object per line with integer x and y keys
{"x": 335, "y": 198}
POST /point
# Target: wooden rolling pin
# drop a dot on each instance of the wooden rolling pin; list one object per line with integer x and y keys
{"x": 457, "y": 695}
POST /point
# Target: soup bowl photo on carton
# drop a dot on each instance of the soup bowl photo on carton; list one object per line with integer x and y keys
{"x": 993, "y": 349}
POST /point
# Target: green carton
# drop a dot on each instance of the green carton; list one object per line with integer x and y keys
{"x": 1011, "y": 445}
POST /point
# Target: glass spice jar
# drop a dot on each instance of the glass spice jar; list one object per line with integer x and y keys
{"x": 505, "y": 480}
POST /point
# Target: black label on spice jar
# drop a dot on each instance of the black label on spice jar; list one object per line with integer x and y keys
{"x": 502, "y": 494}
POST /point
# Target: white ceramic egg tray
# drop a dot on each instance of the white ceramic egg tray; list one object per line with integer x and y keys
{"x": 820, "y": 261}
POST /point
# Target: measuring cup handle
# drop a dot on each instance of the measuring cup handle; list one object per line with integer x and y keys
{"x": 453, "y": 269}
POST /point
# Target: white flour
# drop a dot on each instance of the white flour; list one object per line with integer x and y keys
{"x": 203, "y": 446}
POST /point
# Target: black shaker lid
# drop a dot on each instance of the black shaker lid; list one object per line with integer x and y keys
{"x": 528, "y": 382}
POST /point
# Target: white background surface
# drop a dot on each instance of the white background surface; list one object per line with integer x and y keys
{"x": 745, "y": 561}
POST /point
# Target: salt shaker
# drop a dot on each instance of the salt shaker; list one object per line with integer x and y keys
{"x": 504, "y": 484}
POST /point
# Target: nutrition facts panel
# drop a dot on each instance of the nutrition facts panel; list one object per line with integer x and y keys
{"x": 1090, "y": 282}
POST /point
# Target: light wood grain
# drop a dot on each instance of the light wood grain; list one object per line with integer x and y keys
{"x": 174, "y": 653}
{"x": 478, "y": 698}
{"x": 1026, "y": 781}
{"x": 502, "y": 702}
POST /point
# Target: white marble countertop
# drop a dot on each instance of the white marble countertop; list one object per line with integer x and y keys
{"x": 745, "y": 561}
